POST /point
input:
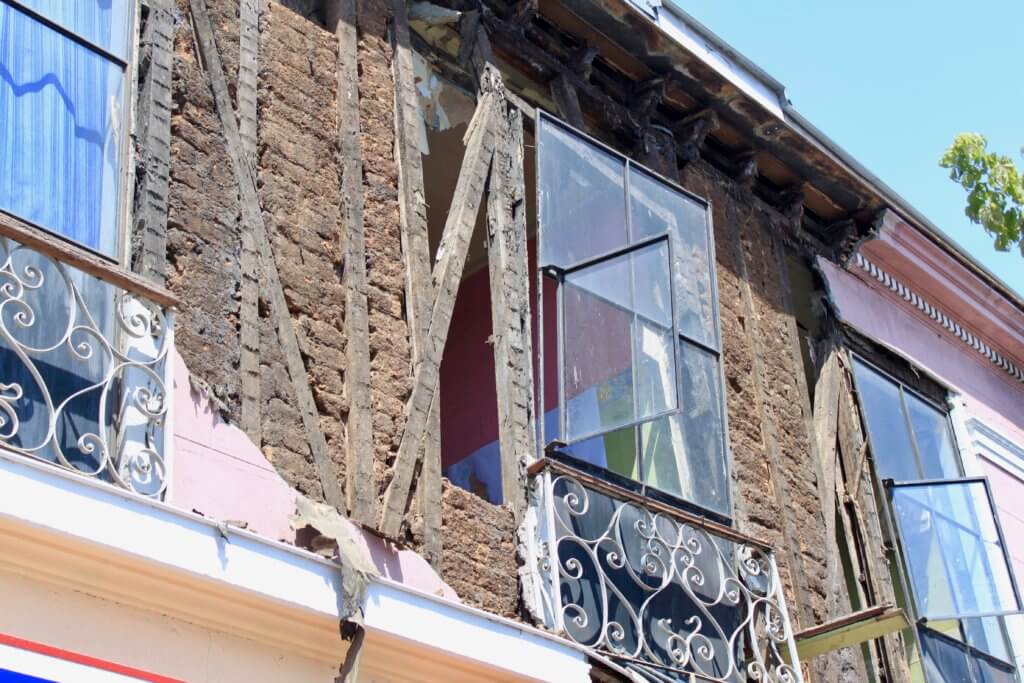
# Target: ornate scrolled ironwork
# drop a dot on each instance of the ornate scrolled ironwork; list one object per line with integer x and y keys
{"x": 83, "y": 372}
{"x": 660, "y": 596}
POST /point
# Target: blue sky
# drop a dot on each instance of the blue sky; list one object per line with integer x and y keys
{"x": 892, "y": 82}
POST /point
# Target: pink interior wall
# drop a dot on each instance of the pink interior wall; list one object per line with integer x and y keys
{"x": 469, "y": 409}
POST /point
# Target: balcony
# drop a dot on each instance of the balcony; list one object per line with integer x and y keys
{"x": 666, "y": 595}
{"x": 84, "y": 366}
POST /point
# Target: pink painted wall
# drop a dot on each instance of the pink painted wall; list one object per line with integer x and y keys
{"x": 991, "y": 394}
{"x": 1007, "y": 490}
{"x": 219, "y": 473}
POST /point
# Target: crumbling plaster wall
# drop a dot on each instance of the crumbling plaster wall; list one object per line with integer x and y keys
{"x": 299, "y": 178}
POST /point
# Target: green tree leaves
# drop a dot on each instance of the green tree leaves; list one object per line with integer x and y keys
{"x": 995, "y": 188}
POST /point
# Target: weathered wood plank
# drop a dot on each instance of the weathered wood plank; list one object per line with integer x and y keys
{"x": 249, "y": 335}
{"x": 416, "y": 251}
{"x": 88, "y": 262}
{"x": 451, "y": 257}
{"x": 360, "y": 490}
{"x": 153, "y": 132}
{"x": 821, "y": 424}
{"x": 510, "y": 310}
{"x": 253, "y": 219}
{"x": 867, "y": 518}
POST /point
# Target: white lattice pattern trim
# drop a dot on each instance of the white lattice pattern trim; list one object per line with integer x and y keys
{"x": 938, "y": 316}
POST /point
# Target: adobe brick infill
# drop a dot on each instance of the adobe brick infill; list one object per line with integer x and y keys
{"x": 299, "y": 177}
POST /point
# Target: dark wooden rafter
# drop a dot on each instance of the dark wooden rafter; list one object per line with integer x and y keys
{"x": 249, "y": 323}
{"x": 451, "y": 257}
{"x": 252, "y": 219}
{"x": 744, "y": 168}
{"x": 563, "y": 92}
{"x": 690, "y": 133}
{"x": 416, "y": 252}
{"x": 510, "y": 310}
{"x": 360, "y": 491}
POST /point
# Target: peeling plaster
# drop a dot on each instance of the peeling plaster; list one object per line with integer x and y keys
{"x": 440, "y": 104}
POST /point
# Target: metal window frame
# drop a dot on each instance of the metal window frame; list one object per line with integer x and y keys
{"x": 886, "y": 517}
{"x": 543, "y": 118}
{"x": 891, "y": 487}
{"x": 126, "y": 171}
{"x": 903, "y": 389}
{"x": 969, "y": 650}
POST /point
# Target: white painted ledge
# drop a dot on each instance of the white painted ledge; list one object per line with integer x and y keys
{"x": 82, "y": 534}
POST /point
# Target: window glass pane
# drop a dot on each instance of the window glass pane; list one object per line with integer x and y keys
{"x": 656, "y": 208}
{"x": 618, "y": 351}
{"x": 986, "y": 634}
{"x": 987, "y": 671}
{"x": 60, "y": 108}
{"x": 582, "y": 198}
{"x": 614, "y": 451}
{"x": 103, "y": 22}
{"x": 684, "y": 454}
{"x": 944, "y": 660}
{"x": 887, "y": 426}
{"x": 934, "y": 440}
{"x": 598, "y": 349}
{"x": 952, "y": 548}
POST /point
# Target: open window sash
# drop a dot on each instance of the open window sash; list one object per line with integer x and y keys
{"x": 953, "y": 549}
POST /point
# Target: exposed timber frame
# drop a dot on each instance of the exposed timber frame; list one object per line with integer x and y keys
{"x": 510, "y": 311}
{"x": 249, "y": 316}
{"x": 451, "y": 257}
{"x": 493, "y": 155}
{"x": 252, "y": 219}
{"x": 416, "y": 251}
{"x": 360, "y": 494}
{"x": 153, "y": 136}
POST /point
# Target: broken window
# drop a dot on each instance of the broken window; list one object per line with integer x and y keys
{"x": 626, "y": 263}
{"x": 957, "y": 569}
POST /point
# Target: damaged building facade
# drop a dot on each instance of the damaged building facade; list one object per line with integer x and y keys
{"x": 539, "y": 340}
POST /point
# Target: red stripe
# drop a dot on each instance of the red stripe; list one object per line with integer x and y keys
{"x": 84, "y": 659}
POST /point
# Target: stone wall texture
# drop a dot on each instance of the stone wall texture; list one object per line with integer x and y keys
{"x": 298, "y": 175}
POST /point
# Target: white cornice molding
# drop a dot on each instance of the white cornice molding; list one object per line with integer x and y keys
{"x": 993, "y": 446}
{"x": 947, "y": 323}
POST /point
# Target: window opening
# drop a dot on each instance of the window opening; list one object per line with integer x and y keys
{"x": 64, "y": 88}
{"x": 626, "y": 261}
{"x": 63, "y": 84}
{"x": 949, "y": 537}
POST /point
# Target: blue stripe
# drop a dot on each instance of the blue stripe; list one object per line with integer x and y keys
{"x": 14, "y": 677}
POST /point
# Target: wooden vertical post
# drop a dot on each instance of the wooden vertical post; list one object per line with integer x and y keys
{"x": 510, "y": 310}
{"x": 416, "y": 250}
{"x": 360, "y": 488}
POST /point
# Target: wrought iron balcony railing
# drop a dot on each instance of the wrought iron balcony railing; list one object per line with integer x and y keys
{"x": 84, "y": 364}
{"x": 667, "y": 596}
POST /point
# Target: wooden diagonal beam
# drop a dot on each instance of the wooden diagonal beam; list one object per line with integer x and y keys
{"x": 451, "y": 257}
{"x": 252, "y": 219}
